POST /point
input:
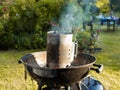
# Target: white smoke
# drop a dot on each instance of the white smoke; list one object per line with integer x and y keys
{"x": 73, "y": 15}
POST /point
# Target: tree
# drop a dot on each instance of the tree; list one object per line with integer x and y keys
{"x": 114, "y": 5}
{"x": 103, "y": 5}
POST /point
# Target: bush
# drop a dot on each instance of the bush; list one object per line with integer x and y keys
{"x": 87, "y": 40}
{"x": 24, "y": 23}
{"x": 83, "y": 39}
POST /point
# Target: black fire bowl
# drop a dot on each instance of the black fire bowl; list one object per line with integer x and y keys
{"x": 35, "y": 65}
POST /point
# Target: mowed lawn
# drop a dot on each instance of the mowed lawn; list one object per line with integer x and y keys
{"x": 12, "y": 73}
{"x": 110, "y": 58}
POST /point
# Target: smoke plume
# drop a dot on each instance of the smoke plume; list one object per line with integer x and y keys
{"x": 73, "y": 15}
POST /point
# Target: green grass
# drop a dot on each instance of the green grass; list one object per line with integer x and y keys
{"x": 12, "y": 73}
{"x": 110, "y": 58}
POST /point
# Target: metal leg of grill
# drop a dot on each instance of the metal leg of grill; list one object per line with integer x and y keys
{"x": 39, "y": 87}
{"x": 67, "y": 87}
{"x": 40, "y": 84}
{"x": 78, "y": 86}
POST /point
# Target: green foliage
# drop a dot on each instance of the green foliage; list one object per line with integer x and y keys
{"x": 115, "y": 5}
{"x": 103, "y": 5}
{"x": 83, "y": 40}
{"x": 87, "y": 40}
{"x": 24, "y": 23}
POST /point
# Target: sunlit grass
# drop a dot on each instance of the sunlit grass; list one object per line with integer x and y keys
{"x": 110, "y": 58}
{"x": 12, "y": 73}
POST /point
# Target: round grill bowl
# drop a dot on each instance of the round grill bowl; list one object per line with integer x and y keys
{"x": 35, "y": 64}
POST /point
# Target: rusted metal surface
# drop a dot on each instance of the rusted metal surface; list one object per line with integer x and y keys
{"x": 52, "y": 49}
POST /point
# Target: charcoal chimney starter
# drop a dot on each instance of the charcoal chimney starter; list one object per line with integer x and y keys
{"x": 60, "y": 49}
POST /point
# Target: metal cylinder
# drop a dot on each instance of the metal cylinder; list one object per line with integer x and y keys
{"x": 66, "y": 50}
{"x": 60, "y": 49}
{"x": 52, "y": 49}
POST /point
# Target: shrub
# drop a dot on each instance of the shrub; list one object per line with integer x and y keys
{"x": 25, "y": 23}
{"x": 87, "y": 40}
